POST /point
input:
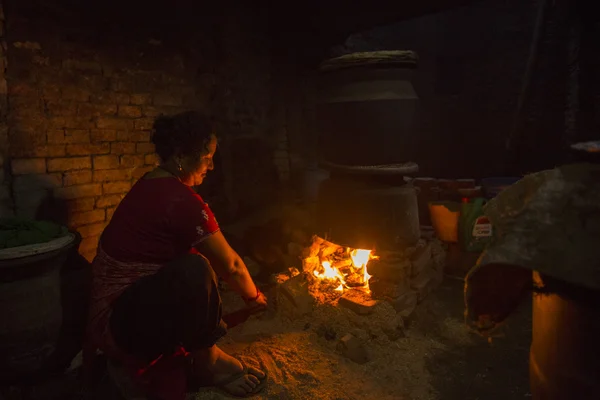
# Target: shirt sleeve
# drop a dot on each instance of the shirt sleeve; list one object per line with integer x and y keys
{"x": 191, "y": 219}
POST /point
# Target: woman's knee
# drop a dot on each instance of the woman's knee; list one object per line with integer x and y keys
{"x": 192, "y": 268}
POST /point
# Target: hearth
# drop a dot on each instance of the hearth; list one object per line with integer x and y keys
{"x": 358, "y": 278}
{"x": 365, "y": 116}
{"x": 367, "y": 249}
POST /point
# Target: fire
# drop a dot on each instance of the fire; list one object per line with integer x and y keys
{"x": 343, "y": 266}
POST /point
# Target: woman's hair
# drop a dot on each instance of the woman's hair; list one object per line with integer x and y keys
{"x": 184, "y": 134}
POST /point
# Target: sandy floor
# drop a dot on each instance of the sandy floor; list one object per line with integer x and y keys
{"x": 436, "y": 359}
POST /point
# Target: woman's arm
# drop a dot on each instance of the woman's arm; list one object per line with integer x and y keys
{"x": 228, "y": 264}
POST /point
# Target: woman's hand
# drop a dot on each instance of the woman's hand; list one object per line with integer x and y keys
{"x": 258, "y": 304}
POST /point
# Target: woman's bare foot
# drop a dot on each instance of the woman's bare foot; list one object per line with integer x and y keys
{"x": 224, "y": 368}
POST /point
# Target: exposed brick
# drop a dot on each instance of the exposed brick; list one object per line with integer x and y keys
{"x": 91, "y": 230}
{"x": 141, "y": 98}
{"x": 89, "y": 255}
{"x": 110, "y": 98}
{"x": 22, "y": 89}
{"x": 103, "y": 135}
{"x": 28, "y": 166}
{"x": 151, "y": 159}
{"x": 141, "y": 171}
{"x": 89, "y": 245}
{"x": 36, "y": 182}
{"x": 49, "y": 150}
{"x": 133, "y": 136}
{"x": 61, "y": 107}
{"x": 151, "y": 112}
{"x": 77, "y": 136}
{"x": 110, "y": 212}
{"x": 75, "y": 93}
{"x": 145, "y": 124}
{"x": 69, "y": 163}
{"x": 51, "y": 92}
{"x": 114, "y": 123}
{"x": 167, "y": 99}
{"x": 55, "y": 136}
{"x": 112, "y": 175}
{"x": 121, "y": 84}
{"x": 79, "y": 191}
{"x": 68, "y": 136}
{"x": 110, "y": 200}
{"x": 81, "y": 65}
{"x": 82, "y": 204}
{"x": 89, "y": 148}
{"x": 57, "y": 122}
{"x": 86, "y": 217}
{"x": 96, "y": 110}
{"x": 77, "y": 177}
{"x": 144, "y": 148}
{"x": 79, "y": 123}
{"x": 116, "y": 187}
{"x": 122, "y": 148}
{"x": 130, "y": 111}
{"x": 106, "y": 162}
{"x": 131, "y": 161}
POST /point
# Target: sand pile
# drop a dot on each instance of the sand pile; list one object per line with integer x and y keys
{"x": 305, "y": 357}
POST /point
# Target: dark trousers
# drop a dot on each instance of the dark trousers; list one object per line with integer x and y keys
{"x": 178, "y": 306}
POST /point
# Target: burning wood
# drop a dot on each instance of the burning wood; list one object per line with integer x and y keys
{"x": 341, "y": 266}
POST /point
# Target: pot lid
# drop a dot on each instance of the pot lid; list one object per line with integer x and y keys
{"x": 387, "y": 169}
{"x": 406, "y": 58}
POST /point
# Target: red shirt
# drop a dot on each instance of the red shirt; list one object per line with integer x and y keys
{"x": 158, "y": 220}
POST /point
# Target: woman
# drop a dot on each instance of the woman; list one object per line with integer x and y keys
{"x": 156, "y": 309}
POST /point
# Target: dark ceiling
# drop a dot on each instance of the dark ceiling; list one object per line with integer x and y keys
{"x": 302, "y": 30}
{"x": 333, "y": 20}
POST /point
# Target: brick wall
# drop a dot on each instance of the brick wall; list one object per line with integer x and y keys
{"x": 81, "y": 106}
{"x": 6, "y": 206}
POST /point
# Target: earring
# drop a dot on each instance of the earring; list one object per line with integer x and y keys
{"x": 179, "y": 167}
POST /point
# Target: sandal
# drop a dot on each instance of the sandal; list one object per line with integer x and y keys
{"x": 221, "y": 385}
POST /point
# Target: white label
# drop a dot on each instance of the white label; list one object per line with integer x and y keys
{"x": 482, "y": 228}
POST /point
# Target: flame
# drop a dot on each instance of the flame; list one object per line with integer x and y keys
{"x": 356, "y": 263}
{"x": 360, "y": 258}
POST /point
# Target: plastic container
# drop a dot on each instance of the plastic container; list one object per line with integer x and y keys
{"x": 444, "y": 218}
{"x": 475, "y": 228}
{"x": 493, "y": 186}
{"x": 427, "y": 192}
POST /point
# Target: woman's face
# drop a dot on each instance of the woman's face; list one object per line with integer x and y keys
{"x": 197, "y": 169}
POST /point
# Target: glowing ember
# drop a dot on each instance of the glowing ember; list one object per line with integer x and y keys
{"x": 340, "y": 265}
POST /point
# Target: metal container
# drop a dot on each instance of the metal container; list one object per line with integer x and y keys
{"x": 366, "y": 215}
{"x": 564, "y": 354}
{"x": 365, "y": 113}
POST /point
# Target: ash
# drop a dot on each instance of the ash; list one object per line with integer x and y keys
{"x": 328, "y": 351}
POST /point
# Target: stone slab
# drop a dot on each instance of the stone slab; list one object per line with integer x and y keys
{"x": 354, "y": 349}
{"x": 296, "y": 291}
{"x": 421, "y": 259}
{"x": 424, "y": 283}
{"x": 358, "y": 301}
{"x": 383, "y": 289}
{"x": 406, "y": 304}
{"x": 393, "y": 270}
